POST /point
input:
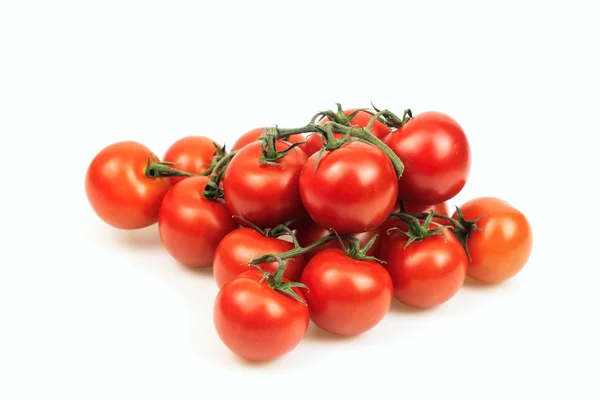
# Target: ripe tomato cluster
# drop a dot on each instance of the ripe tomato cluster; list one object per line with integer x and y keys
{"x": 325, "y": 223}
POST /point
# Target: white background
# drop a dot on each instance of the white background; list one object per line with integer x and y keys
{"x": 89, "y": 312}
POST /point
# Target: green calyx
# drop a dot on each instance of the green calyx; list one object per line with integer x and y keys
{"x": 463, "y": 229}
{"x": 417, "y": 231}
{"x": 275, "y": 281}
{"x": 355, "y": 252}
{"x": 217, "y": 156}
{"x": 162, "y": 169}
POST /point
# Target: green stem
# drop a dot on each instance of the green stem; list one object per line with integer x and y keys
{"x": 212, "y": 189}
{"x": 163, "y": 169}
{"x": 296, "y": 251}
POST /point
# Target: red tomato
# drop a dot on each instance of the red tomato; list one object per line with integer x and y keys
{"x": 503, "y": 246}
{"x": 254, "y": 134}
{"x": 436, "y": 157}
{"x": 353, "y": 190}
{"x": 428, "y": 272}
{"x": 118, "y": 189}
{"x": 191, "y": 226}
{"x": 346, "y": 297}
{"x": 256, "y": 322}
{"x": 311, "y": 232}
{"x": 266, "y": 195}
{"x": 242, "y": 245}
{"x": 385, "y": 239}
{"x": 191, "y": 154}
{"x": 361, "y": 119}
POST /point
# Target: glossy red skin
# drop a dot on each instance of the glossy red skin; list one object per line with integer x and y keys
{"x": 118, "y": 189}
{"x": 503, "y": 246}
{"x": 436, "y": 157}
{"x": 311, "y": 232}
{"x": 266, "y": 195}
{"x": 385, "y": 239}
{"x": 256, "y": 322}
{"x": 428, "y": 272}
{"x": 191, "y": 154}
{"x": 353, "y": 190}
{"x": 192, "y": 226}
{"x": 361, "y": 119}
{"x": 254, "y": 134}
{"x": 242, "y": 245}
{"x": 346, "y": 297}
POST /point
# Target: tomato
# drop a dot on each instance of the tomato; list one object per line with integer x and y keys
{"x": 429, "y": 271}
{"x": 190, "y": 225}
{"x": 503, "y": 246}
{"x": 346, "y": 296}
{"x": 254, "y": 134}
{"x": 386, "y": 239}
{"x": 257, "y": 322}
{"x": 118, "y": 189}
{"x": 353, "y": 190}
{"x": 436, "y": 157}
{"x": 266, "y": 195}
{"x": 242, "y": 245}
{"x": 191, "y": 154}
{"x": 311, "y": 232}
{"x": 361, "y": 119}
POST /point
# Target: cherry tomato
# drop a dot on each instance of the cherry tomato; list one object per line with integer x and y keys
{"x": 242, "y": 245}
{"x": 254, "y": 134}
{"x": 266, "y": 195}
{"x": 190, "y": 225}
{"x": 256, "y": 322}
{"x": 191, "y": 154}
{"x": 311, "y": 232}
{"x": 427, "y": 272}
{"x": 118, "y": 189}
{"x": 385, "y": 239}
{"x": 361, "y": 119}
{"x": 436, "y": 157}
{"x": 353, "y": 189}
{"x": 503, "y": 246}
{"x": 346, "y": 296}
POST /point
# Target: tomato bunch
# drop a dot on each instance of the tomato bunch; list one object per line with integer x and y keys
{"x": 327, "y": 223}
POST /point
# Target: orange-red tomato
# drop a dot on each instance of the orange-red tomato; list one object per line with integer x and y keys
{"x": 346, "y": 296}
{"x": 311, "y": 232}
{"x": 427, "y": 272}
{"x": 191, "y": 154}
{"x": 254, "y": 134}
{"x": 503, "y": 246}
{"x": 242, "y": 245}
{"x": 256, "y": 322}
{"x": 118, "y": 189}
{"x": 190, "y": 225}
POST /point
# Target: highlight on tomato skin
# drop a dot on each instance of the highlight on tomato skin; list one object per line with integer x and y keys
{"x": 257, "y": 322}
{"x": 118, "y": 189}
{"x": 503, "y": 245}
